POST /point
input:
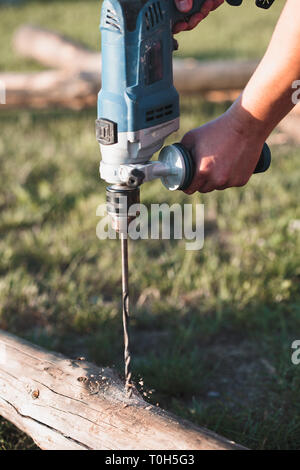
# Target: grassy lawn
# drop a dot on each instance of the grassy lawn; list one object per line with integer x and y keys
{"x": 211, "y": 330}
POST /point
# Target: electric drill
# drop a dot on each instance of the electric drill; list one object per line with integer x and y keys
{"x": 138, "y": 108}
{"x": 138, "y": 105}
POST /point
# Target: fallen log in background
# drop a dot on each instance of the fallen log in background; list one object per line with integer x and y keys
{"x": 194, "y": 76}
{"x": 52, "y": 88}
{"x": 77, "y": 78}
{"x": 54, "y": 50}
{"x": 72, "y": 404}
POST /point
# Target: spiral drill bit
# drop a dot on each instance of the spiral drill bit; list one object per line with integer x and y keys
{"x": 119, "y": 201}
{"x": 125, "y": 306}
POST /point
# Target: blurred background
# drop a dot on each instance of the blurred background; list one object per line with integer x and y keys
{"x": 211, "y": 330}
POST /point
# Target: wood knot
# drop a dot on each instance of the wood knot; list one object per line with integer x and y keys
{"x": 35, "y": 394}
{"x": 82, "y": 379}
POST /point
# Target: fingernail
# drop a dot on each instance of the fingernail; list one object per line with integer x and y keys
{"x": 183, "y": 4}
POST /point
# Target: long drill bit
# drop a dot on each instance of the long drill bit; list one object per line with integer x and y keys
{"x": 119, "y": 200}
{"x": 125, "y": 305}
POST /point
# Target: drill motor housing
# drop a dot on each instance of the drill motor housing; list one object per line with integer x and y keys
{"x": 138, "y": 105}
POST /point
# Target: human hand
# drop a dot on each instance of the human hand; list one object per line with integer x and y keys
{"x": 225, "y": 152}
{"x": 186, "y": 5}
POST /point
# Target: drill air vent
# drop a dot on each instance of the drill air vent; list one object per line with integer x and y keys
{"x": 112, "y": 20}
{"x": 153, "y": 15}
{"x": 158, "y": 113}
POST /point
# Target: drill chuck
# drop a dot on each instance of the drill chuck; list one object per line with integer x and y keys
{"x": 120, "y": 200}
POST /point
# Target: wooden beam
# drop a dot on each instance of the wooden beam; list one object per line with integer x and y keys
{"x": 77, "y": 79}
{"x": 52, "y": 88}
{"x": 73, "y": 404}
{"x": 195, "y": 76}
{"x": 54, "y": 50}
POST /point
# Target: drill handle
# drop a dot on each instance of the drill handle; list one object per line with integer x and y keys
{"x": 263, "y": 163}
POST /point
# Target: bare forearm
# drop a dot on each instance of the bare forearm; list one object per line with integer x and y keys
{"x": 268, "y": 95}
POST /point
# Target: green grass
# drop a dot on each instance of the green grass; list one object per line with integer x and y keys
{"x": 13, "y": 439}
{"x": 211, "y": 330}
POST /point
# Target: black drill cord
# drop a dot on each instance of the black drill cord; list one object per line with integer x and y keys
{"x": 125, "y": 306}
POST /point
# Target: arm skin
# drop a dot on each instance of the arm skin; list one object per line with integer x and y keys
{"x": 185, "y": 5}
{"x": 227, "y": 149}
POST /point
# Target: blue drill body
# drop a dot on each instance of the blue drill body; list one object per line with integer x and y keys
{"x": 138, "y": 105}
{"x": 137, "y": 68}
{"x": 137, "y": 80}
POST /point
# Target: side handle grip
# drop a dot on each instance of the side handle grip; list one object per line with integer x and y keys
{"x": 263, "y": 164}
{"x": 264, "y": 161}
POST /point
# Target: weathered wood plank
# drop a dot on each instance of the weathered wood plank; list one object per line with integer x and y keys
{"x": 72, "y": 404}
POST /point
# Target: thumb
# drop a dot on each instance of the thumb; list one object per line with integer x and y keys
{"x": 184, "y": 5}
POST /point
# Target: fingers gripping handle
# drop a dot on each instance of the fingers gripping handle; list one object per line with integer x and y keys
{"x": 263, "y": 163}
